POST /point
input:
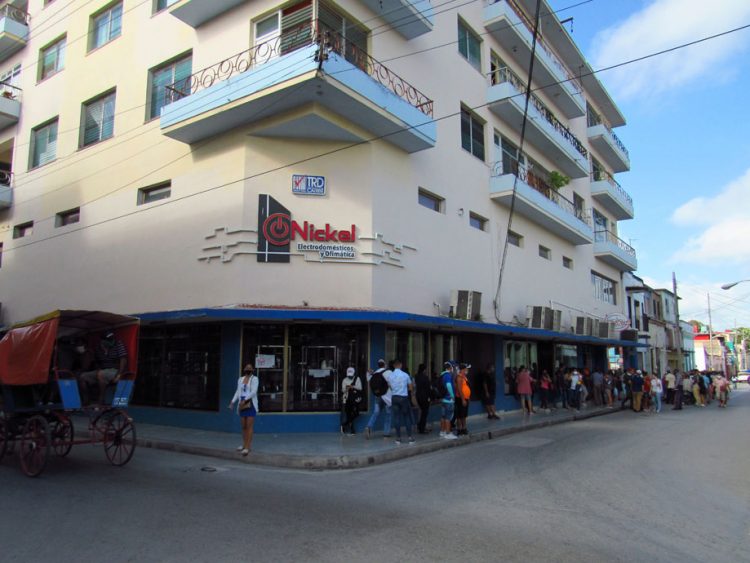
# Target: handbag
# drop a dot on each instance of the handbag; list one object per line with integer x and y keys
{"x": 246, "y": 404}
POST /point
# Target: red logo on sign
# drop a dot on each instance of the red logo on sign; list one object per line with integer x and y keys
{"x": 277, "y": 228}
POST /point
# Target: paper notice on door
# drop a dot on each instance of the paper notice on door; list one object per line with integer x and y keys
{"x": 265, "y": 361}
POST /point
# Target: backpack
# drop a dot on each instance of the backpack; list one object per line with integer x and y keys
{"x": 378, "y": 384}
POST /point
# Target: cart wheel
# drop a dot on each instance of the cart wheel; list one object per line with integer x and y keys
{"x": 3, "y": 438}
{"x": 62, "y": 436}
{"x": 35, "y": 442}
{"x": 99, "y": 425}
{"x": 119, "y": 438}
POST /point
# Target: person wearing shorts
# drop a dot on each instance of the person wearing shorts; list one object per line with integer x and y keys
{"x": 246, "y": 398}
{"x": 447, "y": 402}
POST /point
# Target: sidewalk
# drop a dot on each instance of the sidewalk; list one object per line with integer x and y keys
{"x": 317, "y": 451}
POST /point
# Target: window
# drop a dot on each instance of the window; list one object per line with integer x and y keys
{"x": 105, "y": 26}
{"x": 604, "y": 288}
{"x": 267, "y": 28}
{"x": 600, "y": 222}
{"x": 175, "y": 72}
{"x": 68, "y": 217}
{"x": 578, "y": 203}
{"x": 430, "y": 201}
{"x": 545, "y": 252}
{"x": 477, "y": 221}
{"x": 44, "y": 144}
{"x": 23, "y": 230}
{"x": 9, "y": 82}
{"x": 469, "y": 46}
{"x": 160, "y": 5}
{"x": 98, "y": 121}
{"x": 472, "y": 134}
{"x": 515, "y": 239}
{"x": 52, "y": 59}
{"x": 567, "y": 263}
{"x": 154, "y": 193}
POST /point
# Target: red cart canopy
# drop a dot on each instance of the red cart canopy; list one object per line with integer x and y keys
{"x": 26, "y": 351}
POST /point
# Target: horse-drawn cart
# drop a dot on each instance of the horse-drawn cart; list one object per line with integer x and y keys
{"x": 45, "y": 364}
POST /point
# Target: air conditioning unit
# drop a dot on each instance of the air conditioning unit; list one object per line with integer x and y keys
{"x": 580, "y": 328}
{"x": 466, "y": 304}
{"x": 607, "y": 330}
{"x": 630, "y": 335}
{"x": 543, "y": 317}
{"x": 593, "y": 326}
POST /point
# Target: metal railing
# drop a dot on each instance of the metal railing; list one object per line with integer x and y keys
{"x": 539, "y": 182}
{"x": 303, "y": 35}
{"x": 9, "y": 91}
{"x": 608, "y": 236}
{"x": 6, "y": 178}
{"x": 14, "y": 13}
{"x": 505, "y": 74}
{"x": 604, "y": 176}
{"x": 541, "y": 42}
{"x": 594, "y": 119}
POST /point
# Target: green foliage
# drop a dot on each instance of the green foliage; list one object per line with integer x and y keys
{"x": 557, "y": 180}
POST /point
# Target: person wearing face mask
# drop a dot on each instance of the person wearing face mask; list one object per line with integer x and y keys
{"x": 246, "y": 398}
{"x": 110, "y": 361}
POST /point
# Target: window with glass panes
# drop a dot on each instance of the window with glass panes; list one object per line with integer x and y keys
{"x": 430, "y": 201}
{"x": 604, "y": 288}
{"x": 163, "y": 4}
{"x": 177, "y": 73}
{"x": 469, "y": 46}
{"x": 98, "y": 119}
{"x": 477, "y": 221}
{"x": 472, "y": 134}
{"x": 106, "y": 26}
{"x": 52, "y": 59}
{"x": 44, "y": 144}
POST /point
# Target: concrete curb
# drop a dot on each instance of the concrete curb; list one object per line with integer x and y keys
{"x": 320, "y": 463}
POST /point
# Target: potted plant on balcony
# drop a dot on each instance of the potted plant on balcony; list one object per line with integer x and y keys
{"x": 557, "y": 180}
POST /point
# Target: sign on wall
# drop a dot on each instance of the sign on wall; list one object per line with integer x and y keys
{"x": 303, "y": 184}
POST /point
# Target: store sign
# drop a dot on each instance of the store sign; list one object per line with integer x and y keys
{"x": 265, "y": 361}
{"x": 303, "y": 184}
{"x": 279, "y": 235}
{"x": 620, "y": 321}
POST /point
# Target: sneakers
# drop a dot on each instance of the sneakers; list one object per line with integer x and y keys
{"x": 450, "y": 437}
{"x": 411, "y": 440}
{"x": 240, "y": 448}
{"x": 397, "y": 442}
{"x": 442, "y": 434}
{"x": 245, "y": 451}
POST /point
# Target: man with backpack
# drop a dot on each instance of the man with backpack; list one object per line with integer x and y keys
{"x": 381, "y": 397}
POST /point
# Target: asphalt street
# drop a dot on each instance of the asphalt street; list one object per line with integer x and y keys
{"x": 625, "y": 487}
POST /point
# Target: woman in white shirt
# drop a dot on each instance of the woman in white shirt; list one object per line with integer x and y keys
{"x": 246, "y": 398}
{"x": 656, "y": 391}
{"x": 351, "y": 388}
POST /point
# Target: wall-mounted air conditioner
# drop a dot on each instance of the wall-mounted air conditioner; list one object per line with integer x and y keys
{"x": 543, "y": 317}
{"x": 466, "y": 304}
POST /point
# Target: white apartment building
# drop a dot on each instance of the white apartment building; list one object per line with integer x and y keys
{"x": 310, "y": 185}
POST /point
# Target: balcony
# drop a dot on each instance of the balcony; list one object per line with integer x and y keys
{"x": 540, "y": 203}
{"x": 6, "y": 190}
{"x": 197, "y": 12}
{"x": 510, "y": 26}
{"x": 10, "y": 105}
{"x": 14, "y": 30}
{"x": 410, "y": 19}
{"x": 614, "y": 251}
{"x": 609, "y": 146}
{"x": 606, "y": 190}
{"x": 506, "y": 99}
{"x": 283, "y": 89}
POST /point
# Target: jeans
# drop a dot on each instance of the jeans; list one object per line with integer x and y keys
{"x": 424, "y": 410}
{"x": 678, "y": 399}
{"x": 402, "y": 410}
{"x": 380, "y": 405}
{"x": 657, "y": 401}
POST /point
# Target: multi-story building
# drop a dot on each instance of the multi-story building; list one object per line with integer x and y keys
{"x": 310, "y": 185}
{"x": 688, "y": 346}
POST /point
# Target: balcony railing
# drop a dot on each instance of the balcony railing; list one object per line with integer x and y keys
{"x": 304, "y": 35}
{"x": 505, "y": 74}
{"x": 607, "y": 236}
{"x": 541, "y": 42}
{"x": 603, "y": 176}
{"x": 9, "y": 91}
{"x": 14, "y": 13}
{"x": 594, "y": 119}
{"x": 6, "y": 178}
{"x": 541, "y": 185}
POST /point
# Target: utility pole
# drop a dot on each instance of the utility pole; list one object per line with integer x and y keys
{"x": 710, "y": 336}
{"x": 678, "y": 331}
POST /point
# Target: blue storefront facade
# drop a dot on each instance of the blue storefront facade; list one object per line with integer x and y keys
{"x": 190, "y": 360}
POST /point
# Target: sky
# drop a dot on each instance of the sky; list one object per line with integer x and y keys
{"x": 688, "y": 135}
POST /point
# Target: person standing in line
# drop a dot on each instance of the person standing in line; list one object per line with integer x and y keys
{"x": 646, "y": 397}
{"x": 670, "y": 380}
{"x": 561, "y": 388}
{"x": 523, "y": 385}
{"x": 656, "y": 392}
{"x": 545, "y": 386}
{"x": 607, "y": 386}
{"x": 697, "y": 391}
{"x": 447, "y": 401}
{"x": 246, "y": 398}
{"x": 400, "y": 385}
{"x": 677, "y": 397}
{"x": 422, "y": 382}
{"x": 382, "y": 393}
{"x": 489, "y": 388}
{"x": 636, "y": 384}
{"x": 463, "y": 393}
{"x": 351, "y": 398}
{"x": 598, "y": 380}
{"x": 627, "y": 393}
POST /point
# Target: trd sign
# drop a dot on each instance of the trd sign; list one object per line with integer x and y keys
{"x": 277, "y": 230}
